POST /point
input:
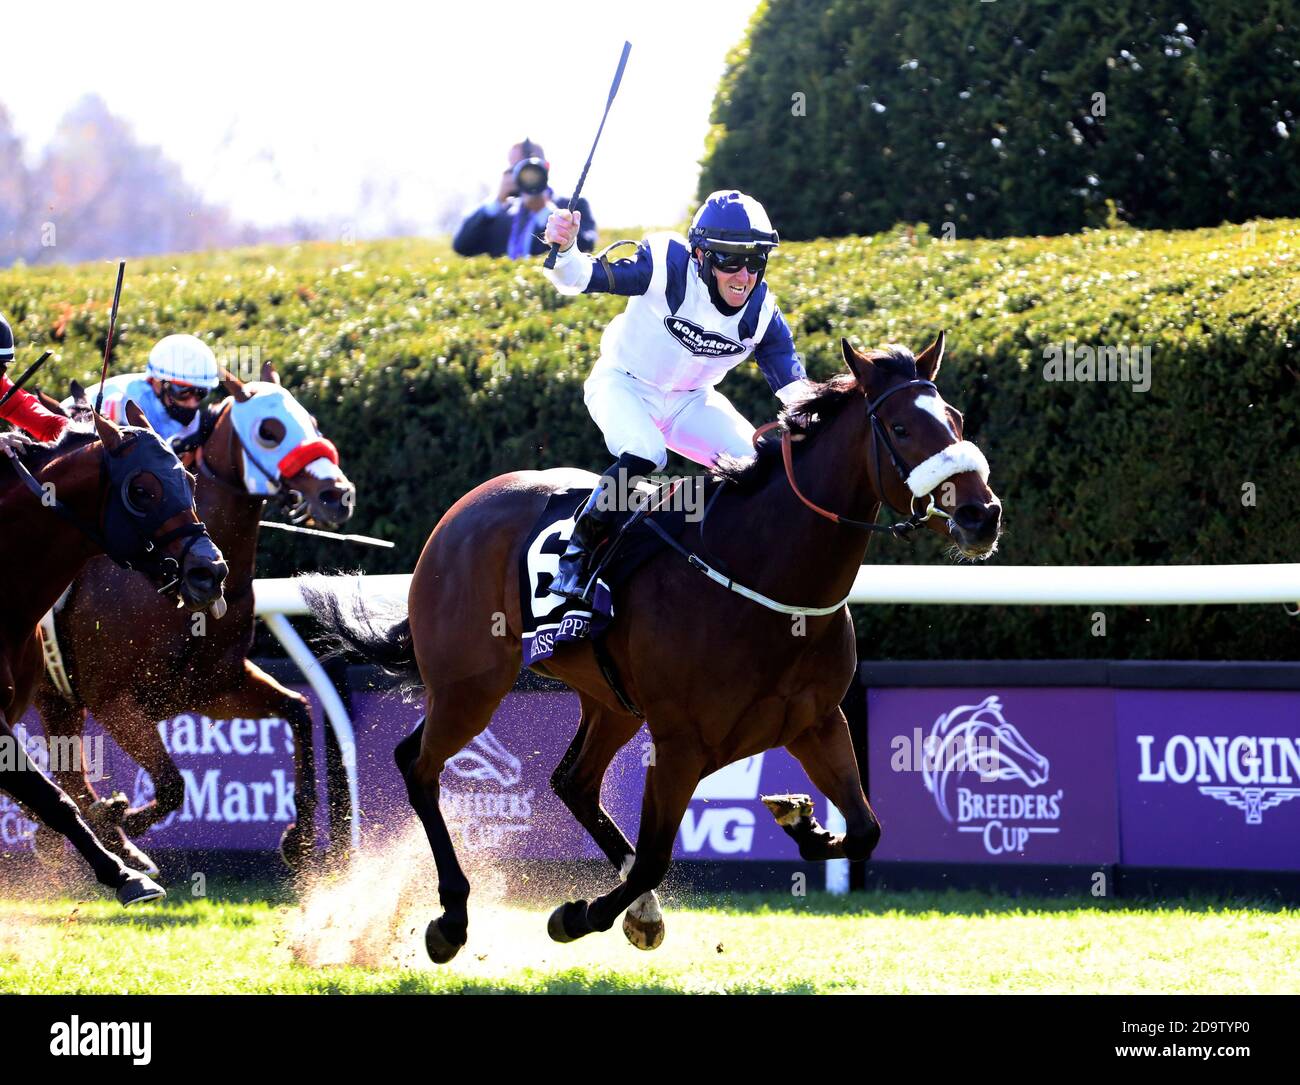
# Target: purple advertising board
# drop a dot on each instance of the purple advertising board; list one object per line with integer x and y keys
{"x": 1209, "y": 778}
{"x": 239, "y": 781}
{"x": 984, "y": 776}
{"x": 496, "y": 792}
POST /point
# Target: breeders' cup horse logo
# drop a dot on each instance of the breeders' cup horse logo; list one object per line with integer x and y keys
{"x": 487, "y": 759}
{"x": 977, "y": 738}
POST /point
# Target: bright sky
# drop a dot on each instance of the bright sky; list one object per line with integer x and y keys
{"x": 282, "y": 109}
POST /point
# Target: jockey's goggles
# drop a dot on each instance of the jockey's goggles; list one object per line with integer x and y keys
{"x": 182, "y": 391}
{"x": 731, "y": 262}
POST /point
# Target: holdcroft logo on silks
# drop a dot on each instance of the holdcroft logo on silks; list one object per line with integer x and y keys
{"x": 1240, "y": 771}
{"x": 976, "y": 740}
{"x": 699, "y": 341}
{"x": 488, "y": 816}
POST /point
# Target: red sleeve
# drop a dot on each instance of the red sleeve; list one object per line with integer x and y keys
{"x": 24, "y": 410}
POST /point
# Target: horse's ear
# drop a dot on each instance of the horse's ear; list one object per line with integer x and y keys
{"x": 108, "y": 432}
{"x": 79, "y": 398}
{"x": 928, "y": 361}
{"x": 234, "y": 386}
{"x": 51, "y": 404}
{"x": 861, "y": 368}
{"x": 269, "y": 374}
{"x": 136, "y": 417}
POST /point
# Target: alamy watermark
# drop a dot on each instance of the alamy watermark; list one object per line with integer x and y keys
{"x": 61, "y": 753}
{"x": 631, "y": 493}
{"x": 932, "y": 753}
{"x": 1114, "y": 363}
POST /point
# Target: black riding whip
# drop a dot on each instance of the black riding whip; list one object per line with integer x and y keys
{"x": 24, "y": 378}
{"x": 549, "y": 262}
{"x": 108, "y": 343}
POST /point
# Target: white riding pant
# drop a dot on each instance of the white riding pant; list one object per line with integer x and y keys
{"x": 637, "y": 417}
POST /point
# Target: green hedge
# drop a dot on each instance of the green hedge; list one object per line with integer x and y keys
{"x": 433, "y": 373}
{"x": 1011, "y": 118}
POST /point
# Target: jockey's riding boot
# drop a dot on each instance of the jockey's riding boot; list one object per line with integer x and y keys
{"x": 606, "y": 510}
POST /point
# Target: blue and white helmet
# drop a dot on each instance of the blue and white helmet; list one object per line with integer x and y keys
{"x": 730, "y": 221}
{"x": 184, "y": 359}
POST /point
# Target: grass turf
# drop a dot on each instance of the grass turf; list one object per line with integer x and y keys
{"x": 915, "y": 942}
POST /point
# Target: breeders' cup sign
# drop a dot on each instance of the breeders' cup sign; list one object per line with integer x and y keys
{"x": 1024, "y": 775}
{"x": 1210, "y": 778}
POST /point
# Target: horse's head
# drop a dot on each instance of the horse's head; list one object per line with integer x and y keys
{"x": 284, "y": 453}
{"x": 149, "y": 521}
{"x": 917, "y": 458}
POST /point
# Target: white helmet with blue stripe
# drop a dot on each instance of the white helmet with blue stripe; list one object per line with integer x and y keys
{"x": 184, "y": 359}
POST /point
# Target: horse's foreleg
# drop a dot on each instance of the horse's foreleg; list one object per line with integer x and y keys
{"x": 259, "y": 696}
{"x": 24, "y": 781}
{"x": 826, "y": 753}
{"x": 601, "y": 734}
{"x": 137, "y": 734}
{"x": 670, "y": 782}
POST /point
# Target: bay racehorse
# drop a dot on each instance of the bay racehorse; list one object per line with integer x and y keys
{"x": 157, "y": 667}
{"x": 98, "y": 489}
{"x": 717, "y": 676}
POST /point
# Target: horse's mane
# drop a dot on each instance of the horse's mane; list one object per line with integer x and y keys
{"x": 75, "y": 435}
{"x": 808, "y": 416}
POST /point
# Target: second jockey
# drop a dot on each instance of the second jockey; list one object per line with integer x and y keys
{"x": 23, "y": 410}
{"x": 182, "y": 370}
{"x": 698, "y": 308}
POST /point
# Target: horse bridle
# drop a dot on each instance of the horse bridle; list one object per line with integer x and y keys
{"x": 150, "y": 549}
{"x": 879, "y": 435}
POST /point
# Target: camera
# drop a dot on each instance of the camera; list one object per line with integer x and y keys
{"x": 531, "y": 176}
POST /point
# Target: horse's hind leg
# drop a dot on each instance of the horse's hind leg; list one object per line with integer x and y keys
{"x": 44, "y": 798}
{"x": 670, "y": 782}
{"x": 259, "y": 695}
{"x": 454, "y": 714}
{"x": 601, "y": 734}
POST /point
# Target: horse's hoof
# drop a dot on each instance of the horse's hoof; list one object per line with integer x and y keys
{"x": 295, "y": 849}
{"x": 645, "y": 934}
{"x": 139, "y": 889}
{"x": 109, "y": 811}
{"x": 568, "y": 922}
{"x": 440, "y": 948}
{"x": 789, "y": 809}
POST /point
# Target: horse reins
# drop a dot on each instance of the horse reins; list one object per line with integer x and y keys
{"x": 898, "y": 530}
{"x": 878, "y": 436}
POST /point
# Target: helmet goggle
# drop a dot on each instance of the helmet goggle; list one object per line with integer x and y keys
{"x": 731, "y": 262}
{"x": 179, "y": 391}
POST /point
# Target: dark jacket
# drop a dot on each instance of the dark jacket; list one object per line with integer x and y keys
{"x": 485, "y": 234}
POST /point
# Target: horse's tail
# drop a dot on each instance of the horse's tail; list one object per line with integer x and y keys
{"x": 377, "y": 631}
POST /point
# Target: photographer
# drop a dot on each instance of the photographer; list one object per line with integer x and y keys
{"x": 512, "y": 223}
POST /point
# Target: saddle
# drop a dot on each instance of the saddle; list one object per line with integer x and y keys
{"x": 549, "y": 620}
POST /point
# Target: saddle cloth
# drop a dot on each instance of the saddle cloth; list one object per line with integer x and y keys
{"x": 551, "y": 620}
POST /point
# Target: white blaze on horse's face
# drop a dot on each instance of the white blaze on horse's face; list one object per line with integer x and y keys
{"x": 272, "y": 426}
{"x": 935, "y": 406}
